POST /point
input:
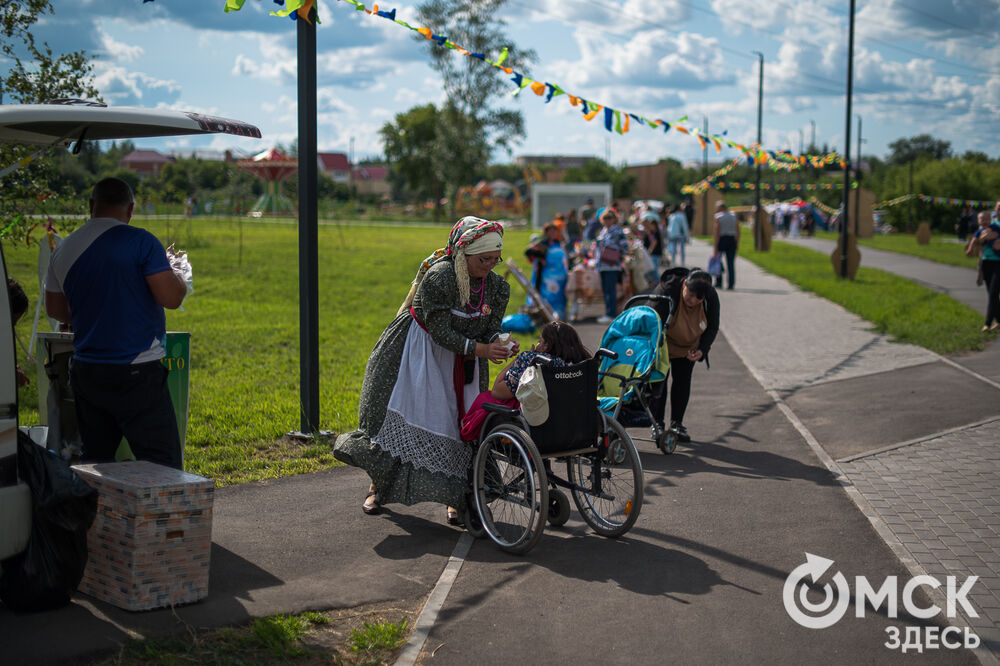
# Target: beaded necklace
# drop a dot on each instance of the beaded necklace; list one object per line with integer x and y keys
{"x": 482, "y": 295}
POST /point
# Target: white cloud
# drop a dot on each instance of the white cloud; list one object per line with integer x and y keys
{"x": 119, "y": 51}
{"x": 123, "y": 87}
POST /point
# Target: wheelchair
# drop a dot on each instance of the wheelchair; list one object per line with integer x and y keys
{"x": 514, "y": 488}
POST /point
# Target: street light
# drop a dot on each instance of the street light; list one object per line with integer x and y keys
{"x": 758, "y": 233}
{"x": 847, "y": 145}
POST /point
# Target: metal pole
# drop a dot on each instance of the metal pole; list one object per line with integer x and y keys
{"x": 758, "y": 231}
{"x": 909, "y": 204}
{"x": 801, "y": 139}
{"x": 857, "y": 194}
{"x": 847, "y": 144}
{"x": 308, "y": 226}
{"x": 812, "y": 142}
{"x": 704, "y": 196}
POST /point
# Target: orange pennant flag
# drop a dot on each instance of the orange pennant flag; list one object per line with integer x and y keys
{"x": 538, "y": 88}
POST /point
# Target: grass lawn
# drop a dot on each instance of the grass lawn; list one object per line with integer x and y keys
{"x": 244, "y": 323}
{"x": 894, "y": 305}
{"x": 942, "y": 249}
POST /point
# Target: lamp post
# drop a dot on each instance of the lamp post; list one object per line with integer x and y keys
{"x": 758, "y": 228}
{"x": 857, "y": 179}
{"x": 704, "y": 165}
{"x": 308, "y": 228}
{"x": 847, "y": 144}
{"x": 812, "y": 141}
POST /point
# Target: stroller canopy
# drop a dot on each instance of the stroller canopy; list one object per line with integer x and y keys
{"x": 636, "y": 335}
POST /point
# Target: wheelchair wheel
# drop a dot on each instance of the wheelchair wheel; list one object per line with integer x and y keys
{"x": 511, "y": 489}
{"x": 609, "y": 494}
{"x": 470, "y": 518}
{"x": 558, "y": 507}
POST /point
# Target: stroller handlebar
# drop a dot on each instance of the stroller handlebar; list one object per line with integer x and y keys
{"x": 648, "y": 297}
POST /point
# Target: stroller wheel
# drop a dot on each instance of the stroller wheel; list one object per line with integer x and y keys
{"x": 616, "y": 452}
{"x": 667, "y": 441}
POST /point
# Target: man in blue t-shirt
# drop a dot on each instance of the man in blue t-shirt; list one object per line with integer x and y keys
{"x": 111, "y": 281}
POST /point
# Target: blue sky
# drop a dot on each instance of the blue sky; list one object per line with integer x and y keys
{"x": 921, "y": 66}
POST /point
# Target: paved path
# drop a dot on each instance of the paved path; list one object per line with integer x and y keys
{"x": 923, "y": 450}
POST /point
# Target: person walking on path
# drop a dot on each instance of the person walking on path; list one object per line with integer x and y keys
{"x": 111, "y": 281}
{"x": 427, "y": 367}
{"x": 611, "y": 248}
{"x": 986, "y": 242}
{"x": 678, "y": 234}
{"x": 726, "y": 239}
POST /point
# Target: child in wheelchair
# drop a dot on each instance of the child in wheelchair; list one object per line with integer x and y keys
{"x": 559, "y": 343}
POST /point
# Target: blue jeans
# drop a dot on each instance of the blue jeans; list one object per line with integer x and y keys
{"x": 609, "y": 285}
{"x": 673, "y": 244}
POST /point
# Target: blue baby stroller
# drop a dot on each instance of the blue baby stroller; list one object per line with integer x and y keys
{"x": 637, "y": 336}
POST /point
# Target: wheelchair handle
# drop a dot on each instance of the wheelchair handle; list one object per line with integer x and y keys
{"x": 603, "y": 352}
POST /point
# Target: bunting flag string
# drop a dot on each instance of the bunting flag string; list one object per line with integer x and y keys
{"x": 613, "y": 120}
{"x": 829, "y": 210}
{"x": 781, "y": 187}
{"x": 946, "y": 201}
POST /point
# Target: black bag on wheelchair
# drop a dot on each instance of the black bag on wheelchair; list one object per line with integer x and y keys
{"x": 574, "y": 419}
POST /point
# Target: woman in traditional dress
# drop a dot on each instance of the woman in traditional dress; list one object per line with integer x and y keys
{"x": 426, "y": 369}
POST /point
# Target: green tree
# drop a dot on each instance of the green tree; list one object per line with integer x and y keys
{"x": 34, "y": 74}
{"x": 923, "y": 145}
{"x": 471, "y": 120}
{"x": 408, "y": 143}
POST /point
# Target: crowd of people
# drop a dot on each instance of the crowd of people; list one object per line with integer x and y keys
{"x": 625, "y": 252}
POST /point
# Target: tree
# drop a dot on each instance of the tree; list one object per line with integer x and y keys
{"x": 472, "y": 87}
{"x": 408, "y": 144}
{"x": 34, "y": 75}
{"x": 923, "y": 145}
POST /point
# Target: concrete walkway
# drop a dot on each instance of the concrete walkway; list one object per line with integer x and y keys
{"x": 811, "y": 434}
{"x": 922, "y": 453}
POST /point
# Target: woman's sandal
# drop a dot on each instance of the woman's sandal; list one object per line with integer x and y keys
{"x": 452, "y": 516}
{"x": 370, "y": 508}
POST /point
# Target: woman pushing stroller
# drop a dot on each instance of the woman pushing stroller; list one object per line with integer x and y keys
{"x": 693, "y": 326}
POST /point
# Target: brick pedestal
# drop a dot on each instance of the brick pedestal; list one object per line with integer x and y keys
{"x": 150, "y": 543}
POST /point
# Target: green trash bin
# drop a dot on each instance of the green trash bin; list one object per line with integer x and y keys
{"x": 57, "y": 349}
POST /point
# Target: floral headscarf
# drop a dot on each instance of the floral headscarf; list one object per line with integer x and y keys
{"x": 465, "y": 232}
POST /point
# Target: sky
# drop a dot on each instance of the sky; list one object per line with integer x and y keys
{"x": 920, "y": 67}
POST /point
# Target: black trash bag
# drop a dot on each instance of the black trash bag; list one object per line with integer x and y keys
{"x": 63, "y": 507}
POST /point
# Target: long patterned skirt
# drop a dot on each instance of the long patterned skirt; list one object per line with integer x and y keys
{"x": 409, "y": 401}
